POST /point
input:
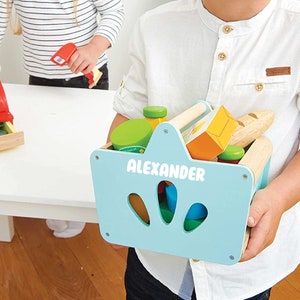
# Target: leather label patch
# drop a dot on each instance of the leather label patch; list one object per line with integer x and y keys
{"x": 277, "y": 71}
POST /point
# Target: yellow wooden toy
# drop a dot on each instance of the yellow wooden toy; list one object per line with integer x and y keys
{"x": 209, "y": 136}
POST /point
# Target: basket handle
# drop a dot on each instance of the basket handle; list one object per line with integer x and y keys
{"x": 257, "y": 156}
{"x": 190, "y": 114}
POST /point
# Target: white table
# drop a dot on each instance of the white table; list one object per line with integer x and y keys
{"x": 49, "y": 176}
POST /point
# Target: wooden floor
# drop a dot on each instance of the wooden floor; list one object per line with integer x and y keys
{"x": 38, "y": 266}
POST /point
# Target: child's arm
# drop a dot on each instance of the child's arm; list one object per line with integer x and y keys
{"x": 4, "y": 18}
{"x": 269, "y": 204}
{"x": 116, "y": 121}
{"x": 111, "y": 14}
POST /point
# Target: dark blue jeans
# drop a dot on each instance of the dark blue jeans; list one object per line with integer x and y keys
{"x": 76, "y": 82}
{"x": 141, "y": 285}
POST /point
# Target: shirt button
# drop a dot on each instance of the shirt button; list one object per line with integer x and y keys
{"x": 227, "y": 29}
{"x": 259, "y": 86}
{"x": 222, "y": 56}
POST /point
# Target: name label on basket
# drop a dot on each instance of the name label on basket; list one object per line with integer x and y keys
{"x": 165, "y": 170}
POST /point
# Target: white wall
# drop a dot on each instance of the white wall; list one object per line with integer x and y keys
{"x": 11, "y": 59}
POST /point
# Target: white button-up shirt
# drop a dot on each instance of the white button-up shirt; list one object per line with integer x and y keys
{"x": 181, "y": 53}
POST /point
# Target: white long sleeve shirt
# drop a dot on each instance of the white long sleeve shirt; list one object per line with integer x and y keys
{"x": 181, "y": 53}
{"x": 48, "y": 25}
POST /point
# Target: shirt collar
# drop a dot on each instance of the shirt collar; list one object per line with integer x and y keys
{"x": 239, "y": 27}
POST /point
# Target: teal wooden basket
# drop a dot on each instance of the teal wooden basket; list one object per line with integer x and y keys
{"x": 225, "y": 189}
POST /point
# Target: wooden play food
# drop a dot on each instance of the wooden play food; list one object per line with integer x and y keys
{"x": 251, "y": 126}
{"x": 208, "y": 137}
{"x": 167, "y": 214}
{"x": 196, "y": 212}
{"x": 5, "y": 115}
{"x": 132, "y": 134}
{"x": 232, "y": 154}
{"x": 10, "y": 137}
{"x": 155, "y": 115}
{"x": 2, "y": 130}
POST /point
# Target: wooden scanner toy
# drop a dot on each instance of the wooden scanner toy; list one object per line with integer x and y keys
{"x": 225, "y": 190}
{"x": 62, "y": 57}
{"x": 9, "y": 137}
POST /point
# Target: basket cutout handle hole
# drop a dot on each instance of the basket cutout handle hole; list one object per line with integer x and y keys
{"x": 165, "y": 211}
{"x": 196, "y": 214}
{"x": 139, "y": 208}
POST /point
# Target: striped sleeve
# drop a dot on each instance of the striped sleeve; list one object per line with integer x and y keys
{"x": 112, "y": 16}
{"x": 49, "y": 24}
{"x": 3, "y": 18}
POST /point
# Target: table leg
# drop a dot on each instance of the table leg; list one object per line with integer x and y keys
{"x": 6, "y": 229}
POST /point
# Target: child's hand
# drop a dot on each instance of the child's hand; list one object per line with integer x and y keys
{"x": 264, "y": 217}
{"x": 85, "y": 58}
